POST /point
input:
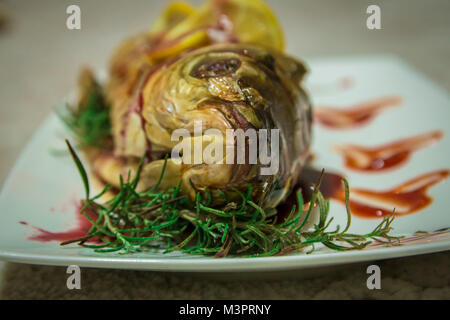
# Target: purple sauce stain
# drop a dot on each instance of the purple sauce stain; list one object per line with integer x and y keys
{"x": 81, "y": 228}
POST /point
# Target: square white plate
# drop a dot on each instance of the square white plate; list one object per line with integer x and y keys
{"x": 42, "y": 188}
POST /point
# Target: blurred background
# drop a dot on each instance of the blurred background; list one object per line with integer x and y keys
{"x": 39, "y": 61}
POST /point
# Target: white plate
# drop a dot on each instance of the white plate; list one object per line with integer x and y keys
{"x": 42, "y": 188}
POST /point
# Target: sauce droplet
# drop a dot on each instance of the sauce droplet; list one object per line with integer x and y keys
{"x": 354, "y": 116}
{"x": 387, "y": 156}
{"x": 406, "y": 198}
{"x": 338, "y": 85}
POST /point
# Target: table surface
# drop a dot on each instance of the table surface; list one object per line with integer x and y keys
{"x": 40, "y": 58}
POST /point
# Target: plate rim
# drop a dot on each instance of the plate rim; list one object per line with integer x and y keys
{"x": 232, "y": 264}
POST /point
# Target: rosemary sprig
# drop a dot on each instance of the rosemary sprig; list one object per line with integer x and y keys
{"x": 90, "y": 121}
{"x": 134, "y": 221}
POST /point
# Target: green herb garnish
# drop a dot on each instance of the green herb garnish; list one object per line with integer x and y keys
{"x": 90, "y": 121}
{"x": 137, "y": 220}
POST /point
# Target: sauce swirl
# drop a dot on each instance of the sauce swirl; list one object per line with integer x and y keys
{"x": 356, "y": 115}
{"x": 373, "y": 159}
{"x": 407, "y": 198}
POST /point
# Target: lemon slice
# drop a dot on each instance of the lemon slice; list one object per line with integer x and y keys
{"x": 252, "y": 21}
{"x": 173, "y": 48}
{"x": 173, "y": 14}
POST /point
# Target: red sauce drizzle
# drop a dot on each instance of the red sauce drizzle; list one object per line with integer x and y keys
{"x": 386, "y": 156}
{"x": 330, "y": 186}
{"x": 354, "y": 116}
{"x": 406, "y": 198}
{"x": 81, "y": 228}
{"x": 331, "y": 183}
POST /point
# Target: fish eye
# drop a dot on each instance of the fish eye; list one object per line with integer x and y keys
{"x": 211, "y": 68}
